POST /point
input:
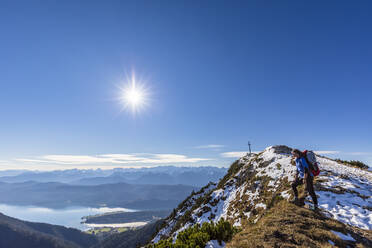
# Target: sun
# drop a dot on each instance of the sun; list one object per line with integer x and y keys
{"x": 133, "y": 95}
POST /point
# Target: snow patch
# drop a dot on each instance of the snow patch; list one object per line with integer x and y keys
{"x": 261, "y": 205}
{"x": 346, "y": 200}
{"x": 285, "y": 194}
{"x": 343, "y": 236}
{"x": 224, "y": 197}
{"x": 170, "y": 223}
{"x": 331, "y": 242}
{"x": 214, "y": 244}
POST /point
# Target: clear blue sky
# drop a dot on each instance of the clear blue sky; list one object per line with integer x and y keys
{"x": 219, "y": 72}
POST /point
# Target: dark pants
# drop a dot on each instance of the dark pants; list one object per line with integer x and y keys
{"x": 308, "y": 185}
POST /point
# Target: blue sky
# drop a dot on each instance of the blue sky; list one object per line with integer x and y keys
{"x": 219, "y": 73}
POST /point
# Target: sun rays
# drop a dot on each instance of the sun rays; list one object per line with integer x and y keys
{"x": 133, "y": 95}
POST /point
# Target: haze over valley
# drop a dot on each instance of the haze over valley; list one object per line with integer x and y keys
{"x": 64, "y": 197}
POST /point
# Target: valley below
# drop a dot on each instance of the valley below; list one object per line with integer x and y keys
{"x": 69, "y": 217}
{"x": 99, "y": 203}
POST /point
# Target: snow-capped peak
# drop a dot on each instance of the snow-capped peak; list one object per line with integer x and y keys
{"x": 255, "y": 182}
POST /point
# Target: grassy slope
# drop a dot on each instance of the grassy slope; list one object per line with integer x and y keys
{"x": 287, "y": 225}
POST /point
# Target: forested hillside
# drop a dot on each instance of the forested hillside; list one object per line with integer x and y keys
{"x": 15, "y": 233}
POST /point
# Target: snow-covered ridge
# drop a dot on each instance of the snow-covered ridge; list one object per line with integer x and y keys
{"x": 256, "y": 181}
{"x": 180, "y": 211}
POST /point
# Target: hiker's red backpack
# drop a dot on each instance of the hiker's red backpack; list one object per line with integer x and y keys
{"x": 311, "y": 161}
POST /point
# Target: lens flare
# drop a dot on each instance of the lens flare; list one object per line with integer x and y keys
{"x": 133, "y": 95}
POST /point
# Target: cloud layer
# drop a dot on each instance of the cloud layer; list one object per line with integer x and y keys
{"x": 135, "y": 160}
{"x": 114, "y": 159}
{"x": 235, "y": 154}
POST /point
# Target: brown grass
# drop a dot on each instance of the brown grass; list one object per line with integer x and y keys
{"x": 287, "y": 225}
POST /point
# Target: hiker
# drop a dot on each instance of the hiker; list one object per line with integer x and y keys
{"x": 303, "y": 176}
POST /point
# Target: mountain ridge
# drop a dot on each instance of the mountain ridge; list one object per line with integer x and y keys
{"x": 256, "y": 183}
{"x": 171, "y": 175}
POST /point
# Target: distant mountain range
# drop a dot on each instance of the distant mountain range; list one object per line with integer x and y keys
{"x": 169, "y": 175}
{"x": 59, "y": 195}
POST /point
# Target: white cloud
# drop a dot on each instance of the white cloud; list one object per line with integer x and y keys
{"x": 30, "y": 160}
{"x": 51, "y": 167}
{"x": 212, "y": 146}
{"x": 113, "y": 159}
{"x": 327, "y": 152}
{"x": 235, "y": 154}
{"x": 130, "y": 157}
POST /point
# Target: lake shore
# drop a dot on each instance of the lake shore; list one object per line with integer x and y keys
{"x": 116, "y": 225}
